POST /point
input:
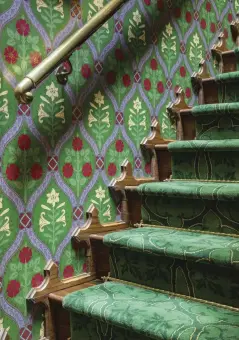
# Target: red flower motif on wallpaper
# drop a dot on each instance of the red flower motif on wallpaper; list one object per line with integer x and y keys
{"x": 147, "y": 168}
{"x": 35, "y": 58}
{"x": 111, "y": 77}
{"x": 86, "y": 71}
{"x": 213, "y": 27}
{"x": 160, "y": 87}
{"x": 67, "y": 170}
{"x": 68, "y": 272}
{"x": 37, "y": 280}
{"x": 24, "y": 142}
{"x": 87, "y": 170}
{"x": 188, "y": 92}
{"x": 147, "y": 2}
{"x": 25, "y": 255}
{"x": 177, "y": 12}
{"x": 203, "y": 24}
{"x": 154, "y": 64}
{"x": 126, "y": 80}
{"x": 13, "y": 288}
{"x": 147, "y": 84}
{"x": 112, "y": 169}
{"x": 77, "y": 144}
{"x": 208, "y": 6}
{"x": 22, "y": 27}
{"x": 182, "y": 71}
{"x": 230, "y": 17}
{"x": 160, "y": 4}
{"x": 12, "y": 172}
{"x": 119, "y": 55}
{"x": 11, "y": 55}
{"x": 119, "y": 145}
{"x": 188, "y": 17}
{"x": 36, "y": 171}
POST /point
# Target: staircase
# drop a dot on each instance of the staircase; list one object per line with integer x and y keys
{"x": 176, "y": 276}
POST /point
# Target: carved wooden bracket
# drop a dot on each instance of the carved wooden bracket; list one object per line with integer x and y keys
{"x": 197, "y": 78}
{"x": 94, "y": 226}
{"x": 4, "y": 335}
{"x": 235, "y": 31}
{"x": 226, "y": 59}
{"x": 155, "y": 138}
{"x": 175, "y": 112}
{"x": 127, "y": 179}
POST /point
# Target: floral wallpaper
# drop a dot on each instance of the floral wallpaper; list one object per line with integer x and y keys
{"x": 59, "y": 154}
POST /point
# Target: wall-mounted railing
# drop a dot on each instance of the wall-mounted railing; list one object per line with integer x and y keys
{"x": 62, "y": 54}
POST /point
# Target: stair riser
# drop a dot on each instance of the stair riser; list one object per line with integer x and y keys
{"x": 212, "y": 165}
{"x": 87, "y": 328}
{"x": 194, "y": 214}
{"x": 228, "y": 92}
{"x": 217, "y": 128}
{"x": 199, "y": 280}
{"x": 216, "y": 92}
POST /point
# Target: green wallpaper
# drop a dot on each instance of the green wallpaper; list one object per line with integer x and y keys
{"x": 59, "y": 154}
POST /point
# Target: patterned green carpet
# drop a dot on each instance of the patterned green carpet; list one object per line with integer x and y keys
{"x": 177, "y": 276}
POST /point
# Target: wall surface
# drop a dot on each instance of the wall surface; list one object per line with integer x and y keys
{"x": 59, "y": 154}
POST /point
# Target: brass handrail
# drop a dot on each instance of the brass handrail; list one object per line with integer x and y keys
{"x": 63, "y": 52}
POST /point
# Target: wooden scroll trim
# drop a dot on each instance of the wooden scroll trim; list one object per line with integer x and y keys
{"x": 235, "y": 30}
{"x": 155, "y": 137}
{"x": 174, "y": 109}
{"x": 127, "y": 178}
{"x": 94, "y": 226}
{"x": 52, "y": 283}
{"x": 197, "y": 78}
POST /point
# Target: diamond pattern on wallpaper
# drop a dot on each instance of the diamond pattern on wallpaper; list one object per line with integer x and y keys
{"x": 59, "y": 154}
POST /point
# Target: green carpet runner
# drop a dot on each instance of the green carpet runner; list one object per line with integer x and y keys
{"x": 146, "y": 314}
{"x": 179, "y": 273}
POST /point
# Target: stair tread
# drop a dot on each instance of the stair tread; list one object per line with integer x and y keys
{"x": 180, "y": 244}
{"x": 227, "y": 77}
{"x": 167, "y": 316}
{"x": 204, "y": 145}
{"x": 216, "y": 109}
{"x": 223, "y": 191}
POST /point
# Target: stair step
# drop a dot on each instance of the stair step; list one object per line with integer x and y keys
{"x": 220, "y": 109}
{"x": 200, "y": 247}
{"x": 205, "y": 160}
{"x": 195, "y": 205}
{"x": 221, "y": 191}
{"x": 122, "y": 307}
{"x": 196, "y": 264}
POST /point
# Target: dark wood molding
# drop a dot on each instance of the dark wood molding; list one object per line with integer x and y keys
{"x": 180, "y": 113}
{"x": 197, "y": 78}
{"x": 155, "y": 137}
{"x": 225, "y": 59}
{"x": 235, "y": 31}
{"x": 127, "y": 178}
{"x": 158, "y": 146}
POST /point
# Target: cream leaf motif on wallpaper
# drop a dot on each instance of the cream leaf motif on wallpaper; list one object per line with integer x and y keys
{"x": 4, "y": 224}
{"x": 98, "y": 118}
{"x": 102, "y": 203}
{"x": 195, "y": 50}
{"x": 51, "y": 113}
{"x": 53, "y": 217}
{"x": 137, "y": 121}
{"x": 169, "y": 47}
{"x": 102, "y": 34}
{"x": 52, "y": 13}
{"x": 1, "y": 320}
{"x": 4, "y": 112}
